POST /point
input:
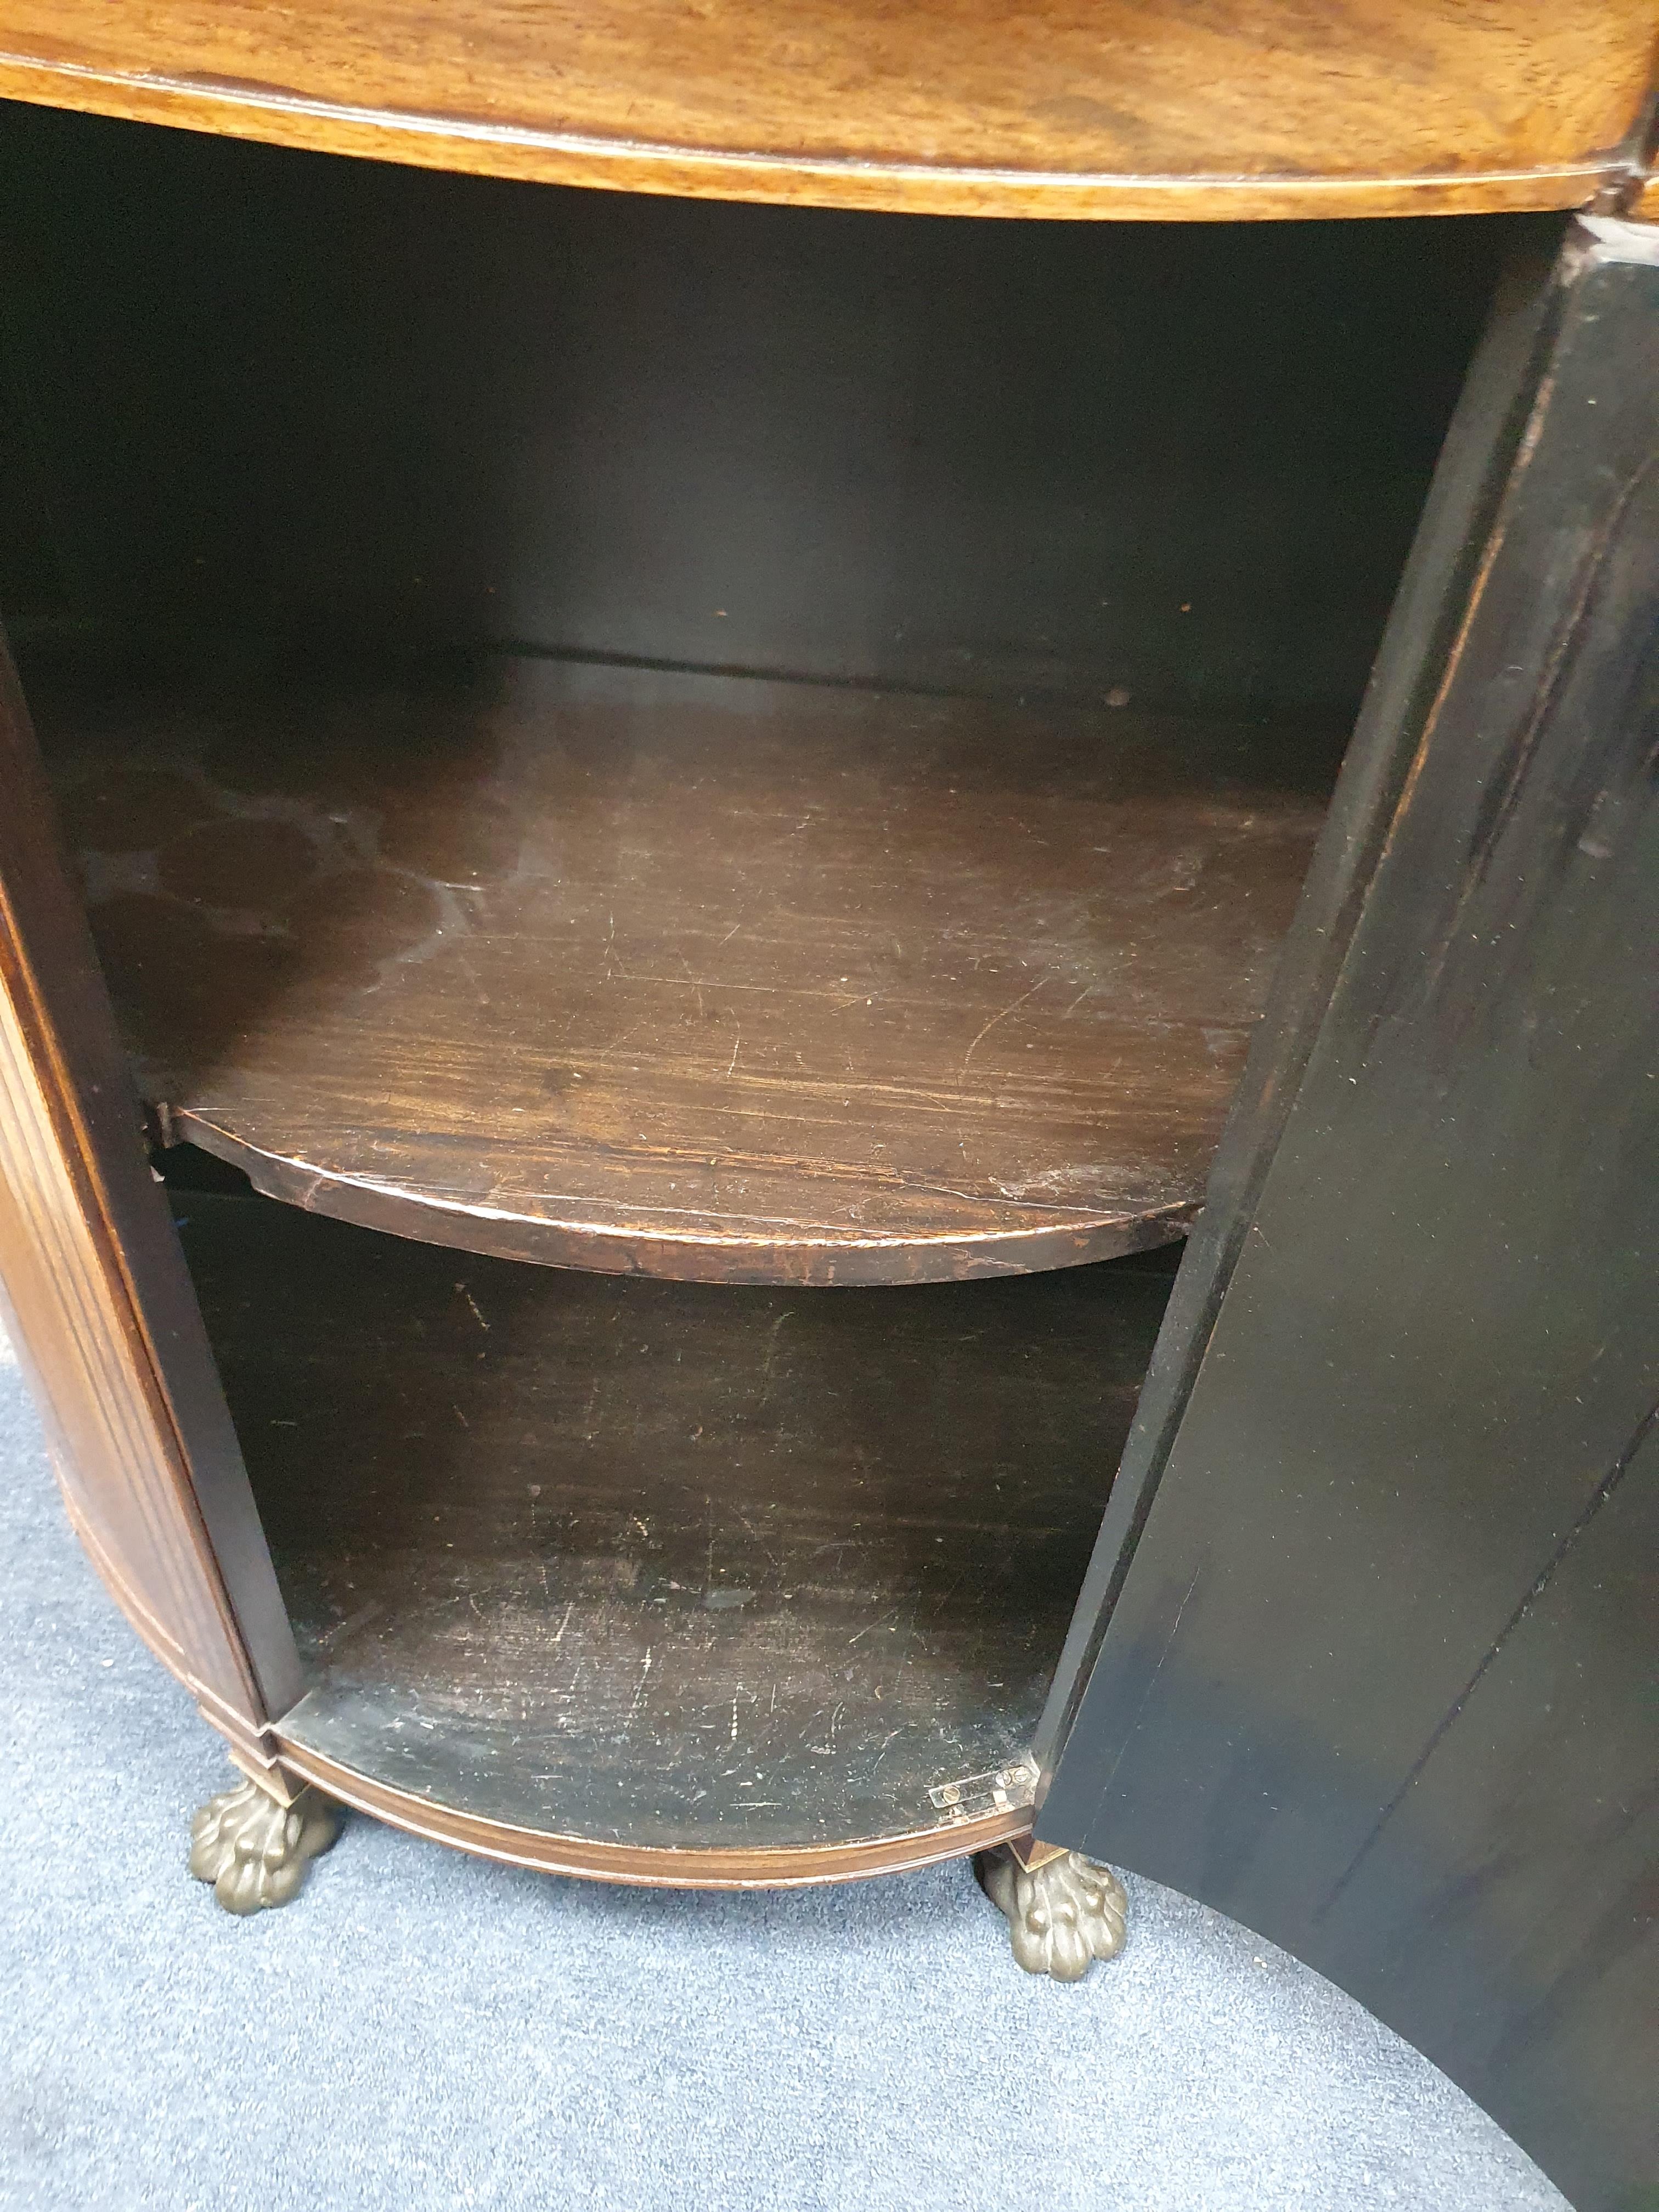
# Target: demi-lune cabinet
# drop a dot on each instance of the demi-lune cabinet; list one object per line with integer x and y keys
{"x": 828, "y": 901}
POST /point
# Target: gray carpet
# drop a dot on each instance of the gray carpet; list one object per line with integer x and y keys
{"x": 425, "y": 2030}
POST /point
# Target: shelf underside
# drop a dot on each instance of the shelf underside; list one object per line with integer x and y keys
{"x": 1076, "y": 107}
{"x": 699, "y": 976}
{"x": 658, "y": 1567}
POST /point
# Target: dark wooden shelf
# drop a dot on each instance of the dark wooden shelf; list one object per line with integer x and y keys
{"x": 662, "y": 1569}
{"x": 1069, "y": 107}
{"x": 701, "y": 976}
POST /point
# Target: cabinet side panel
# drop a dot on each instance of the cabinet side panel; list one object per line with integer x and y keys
{"x": 1435, "y": 1360}
{"x": 101, "y": 1302}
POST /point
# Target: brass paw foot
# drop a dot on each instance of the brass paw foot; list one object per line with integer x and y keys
{"x": 1063, "y": 1912}
{"x": 255, "y": 1851}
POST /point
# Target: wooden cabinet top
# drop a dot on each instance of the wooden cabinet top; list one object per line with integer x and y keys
{"x": 1129, "y": 108}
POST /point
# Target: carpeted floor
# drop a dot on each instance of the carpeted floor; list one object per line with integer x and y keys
{"x": 424, "y": 2030}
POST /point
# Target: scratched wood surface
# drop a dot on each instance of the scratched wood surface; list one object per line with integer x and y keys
{"x": 1069, "y": 107}
{"x": 660, "y": 1564}
{"x": 701, "y": 976}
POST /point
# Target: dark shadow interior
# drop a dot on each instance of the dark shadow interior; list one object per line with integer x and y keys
{"x": 290, "y": 396}
{"x": 286, "y": 437}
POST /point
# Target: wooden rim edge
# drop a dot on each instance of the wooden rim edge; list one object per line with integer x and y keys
{"x": 635, "y": 1865}
{"x": 553, "y": 157}
{"x": 646, "y": 1866}
{"x": 614, "y": 1246}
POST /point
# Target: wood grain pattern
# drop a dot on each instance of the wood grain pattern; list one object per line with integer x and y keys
{"x": 102, "y": 1306}
{"x": 699, "y": 976}
{"x": 654, "y": 1568}
{"x": 1076, "y": 107}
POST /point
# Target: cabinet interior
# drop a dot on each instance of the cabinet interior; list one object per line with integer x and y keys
{"x": 721, "y": 785}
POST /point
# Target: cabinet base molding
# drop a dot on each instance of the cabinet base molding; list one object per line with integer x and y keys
{"x": 256, "y": 1847}
{"x": 1064, "y": 1912}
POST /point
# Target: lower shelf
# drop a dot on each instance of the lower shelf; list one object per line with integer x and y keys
{"x": 714, "y": 1585}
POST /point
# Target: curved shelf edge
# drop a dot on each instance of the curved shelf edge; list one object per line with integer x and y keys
{"x": 635, "y": 1865}
{"x": 619, "y": 1246}
{"x": 646, "y": 1866}
{"x": 275, "y": 117}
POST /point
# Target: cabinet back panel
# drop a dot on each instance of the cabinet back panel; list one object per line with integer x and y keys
{"x": 294, "y": 391}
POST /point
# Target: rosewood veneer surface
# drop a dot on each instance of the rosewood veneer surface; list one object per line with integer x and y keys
{"x": 1068, "y": 107}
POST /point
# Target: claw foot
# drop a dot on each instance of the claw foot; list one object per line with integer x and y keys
{"x": 255, "y": 1851}
{"x": 1062, "y": 1914}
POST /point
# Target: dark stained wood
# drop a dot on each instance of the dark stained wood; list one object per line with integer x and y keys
{"x": 1367, "y": 1681}
{"x": 1072, "y": 107}
{"x": 668, "y": 1568}
{"x": 338, "y": 402}
{"x": 648, "y": 1866}
{"x": 100, "y": 1304}
{"x": 1423, "y": 637}
{"x": 1525, "y": 1848}
{"x": 699, "y": 976}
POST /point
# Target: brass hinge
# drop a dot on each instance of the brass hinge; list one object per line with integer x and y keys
{"x": 1002, "y": 1790}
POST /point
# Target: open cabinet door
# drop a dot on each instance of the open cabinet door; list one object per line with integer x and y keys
{"x": 100, "y": 1304}
{"x": 1361, "y": 1655}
